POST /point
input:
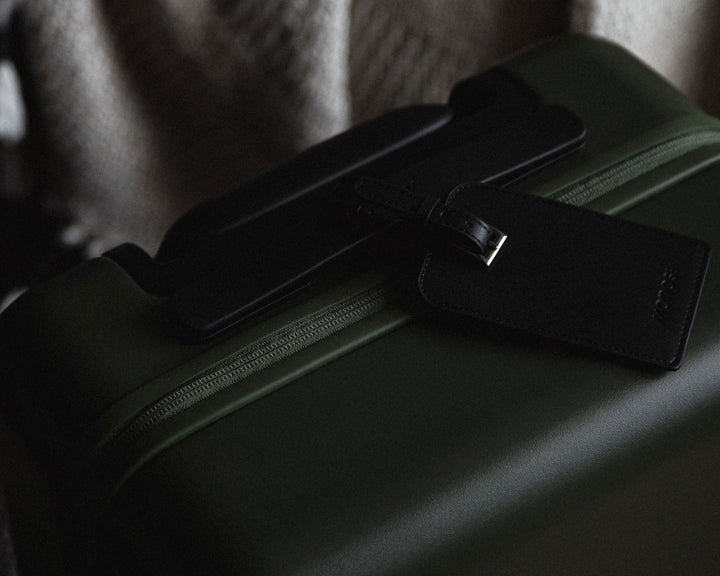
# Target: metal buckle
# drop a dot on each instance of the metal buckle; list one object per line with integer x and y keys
{"x": 494, "y": 246}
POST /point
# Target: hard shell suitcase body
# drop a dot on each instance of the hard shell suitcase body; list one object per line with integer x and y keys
{"x": 354, "y": 432}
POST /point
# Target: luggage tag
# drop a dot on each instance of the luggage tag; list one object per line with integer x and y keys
{"x": 557, "y": 270}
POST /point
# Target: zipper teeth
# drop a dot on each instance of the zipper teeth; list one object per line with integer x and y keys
{"x": 595, "y": 186}
{"x": 259, "y": 355}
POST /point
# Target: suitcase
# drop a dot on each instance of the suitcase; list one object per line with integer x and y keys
{"x": 328, "y": 421}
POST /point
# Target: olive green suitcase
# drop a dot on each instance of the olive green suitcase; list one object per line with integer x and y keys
{"x": 352, "y": 431}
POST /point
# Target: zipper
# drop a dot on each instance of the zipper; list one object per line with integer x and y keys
{"x": 257, "y": 356}
{"x": 597, "y": 185}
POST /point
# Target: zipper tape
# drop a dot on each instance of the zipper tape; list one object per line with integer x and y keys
{"x": 252, "y": 372}
{"x": 259, "y": 355}
{"x": 597, "y": 185}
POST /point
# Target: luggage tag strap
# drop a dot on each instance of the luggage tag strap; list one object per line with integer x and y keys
{"x": 437, "y": 219}
{"x": 558, "y": 271}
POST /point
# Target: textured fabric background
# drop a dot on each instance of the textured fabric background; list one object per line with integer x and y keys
{"x": 142, "y": 108}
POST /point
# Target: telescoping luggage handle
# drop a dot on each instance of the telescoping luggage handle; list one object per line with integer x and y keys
{"x": 259, "y": 245}
{"x": 272, "y": 260}
{"x": 484, "y": 104}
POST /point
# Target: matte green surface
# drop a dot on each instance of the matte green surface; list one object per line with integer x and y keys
{"x": 626, "y": 107}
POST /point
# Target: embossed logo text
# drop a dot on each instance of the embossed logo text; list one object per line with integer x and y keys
{"x": 665, "y": 296}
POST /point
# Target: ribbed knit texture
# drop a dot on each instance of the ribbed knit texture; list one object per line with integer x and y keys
{"x": 143, "y": 108}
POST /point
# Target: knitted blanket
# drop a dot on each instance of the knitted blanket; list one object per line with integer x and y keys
{"x": 142, "y": 108}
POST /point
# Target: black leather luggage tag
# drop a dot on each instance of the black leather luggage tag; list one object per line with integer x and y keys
{"x": 573, "y": 275}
